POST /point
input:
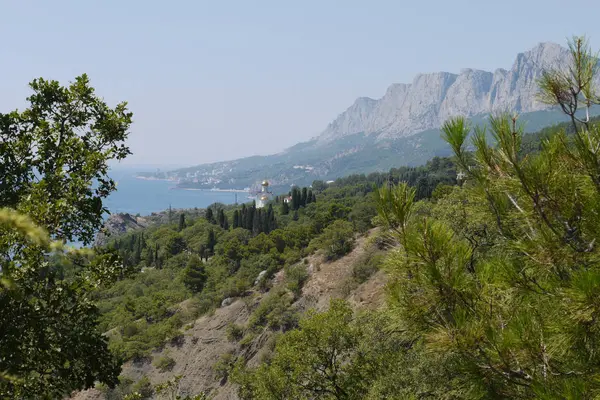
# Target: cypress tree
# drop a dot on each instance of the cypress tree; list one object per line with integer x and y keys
{"x": 225, "y": 222}
{"x": 303, "y": 198}
{"x": 221, "y": 218}
{"x": 244, "y": 217}
{"x": 251, "y": 217}
{"x": 256, "y": 225}
{"x": 236, "y": 219}
{"x": 295, "y": 198}
{"x": 181, "y": 222}
{"x": 209, "y": 215}
{"x": 309, "y": 197}
{"x": 137, "y": 255}
{"x": 285, "y": 208}
{"x": 271, "y": 222}
{"x": 211, "y": 241}
{"x": 150, "y": 259}
{"x": 156, "y": 257}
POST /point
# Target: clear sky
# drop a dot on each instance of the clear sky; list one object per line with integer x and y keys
{"x": 216, "y": 80}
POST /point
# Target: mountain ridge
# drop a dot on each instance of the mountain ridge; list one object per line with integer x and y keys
{"x": 400, "y": 128}
{"x": 431, "y": 98}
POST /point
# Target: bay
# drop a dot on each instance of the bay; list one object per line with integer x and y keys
{"x": 140, "y": 196}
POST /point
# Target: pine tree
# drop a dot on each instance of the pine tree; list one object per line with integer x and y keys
{"x": 500, "y": 282}
{"x": 195, "y": 274}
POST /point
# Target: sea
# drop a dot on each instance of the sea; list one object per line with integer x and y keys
{"x": 141, "y": 196}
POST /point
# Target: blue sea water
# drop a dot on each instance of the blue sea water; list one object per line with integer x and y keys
{"x": 141, "y": 196}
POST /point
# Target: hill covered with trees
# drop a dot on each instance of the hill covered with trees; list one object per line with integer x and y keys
{"x": 489, "y": 260}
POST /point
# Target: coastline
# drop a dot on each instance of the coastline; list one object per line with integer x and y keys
{"x": 217, "y": 190}
{"x": 150, "y": 178}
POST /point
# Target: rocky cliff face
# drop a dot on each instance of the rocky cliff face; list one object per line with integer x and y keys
{"x": 431, "y": 99}
{"x": 118, "y": 224}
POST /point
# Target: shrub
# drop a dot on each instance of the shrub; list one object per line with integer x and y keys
{"x": 273, "y": 311}
{"x": 295, "y": 276}
{"x": 248, "y": 339}
{"x": 337, "y": 239}
{"x": 367, "y": 265}
{"x": 130, "y": 330}
{"x": 164, "y": 363}
{"x": 234, "y": 332}
{"x": 224, "y": 365}
{"x": 144, "y": 388}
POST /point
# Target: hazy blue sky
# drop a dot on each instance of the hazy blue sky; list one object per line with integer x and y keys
{"x": 215, "y": 80}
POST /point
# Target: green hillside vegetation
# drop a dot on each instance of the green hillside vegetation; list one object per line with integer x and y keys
{"x": 492, "y": 261}
{"x": 494, "y": 284}
{"x": 189, "y": 266}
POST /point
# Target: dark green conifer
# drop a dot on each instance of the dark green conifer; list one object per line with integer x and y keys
{"x": 210, "y": 215}
{"x": 181, "y": 222}
{"x": 195, "y": 274}
{"x": 285, "y": 208}
{"x": 236, "y": 219}
{"x": 211, "y": 241}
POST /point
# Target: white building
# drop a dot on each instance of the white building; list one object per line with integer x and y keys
{"x": 263, "y": 197}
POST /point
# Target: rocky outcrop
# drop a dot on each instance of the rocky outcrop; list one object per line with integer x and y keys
{"x": 430, "y": 99}
{"x": 118, "y": 224}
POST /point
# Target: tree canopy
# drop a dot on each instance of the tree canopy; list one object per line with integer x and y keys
{"x": 53, "y": 178}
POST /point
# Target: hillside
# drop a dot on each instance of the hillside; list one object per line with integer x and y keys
{"x": 209, "y": 286}
{"x": 212, "y": 317}
{"x": 204, "y": 342}
{"x": 401, "y": 128}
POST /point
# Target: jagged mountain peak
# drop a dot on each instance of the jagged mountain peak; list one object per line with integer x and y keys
{"x": 431, "y": 98}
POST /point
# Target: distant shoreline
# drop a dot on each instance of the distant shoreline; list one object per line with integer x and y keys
{"x": 217, "y": 190}
{"x": 150, "y": 178}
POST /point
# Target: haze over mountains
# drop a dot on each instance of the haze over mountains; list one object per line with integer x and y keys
{"x": 401, "y": 128}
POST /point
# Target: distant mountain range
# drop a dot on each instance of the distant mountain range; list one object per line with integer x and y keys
{"x": 401, "y": 128}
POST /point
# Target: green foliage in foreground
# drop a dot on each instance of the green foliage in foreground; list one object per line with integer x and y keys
{"x": 53, "y": 179}
{"x": 494, "y": 287}
{"x": 332, "y": 355}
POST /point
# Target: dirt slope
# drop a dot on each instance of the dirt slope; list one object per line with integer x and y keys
{"x": 205, "y": 341}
